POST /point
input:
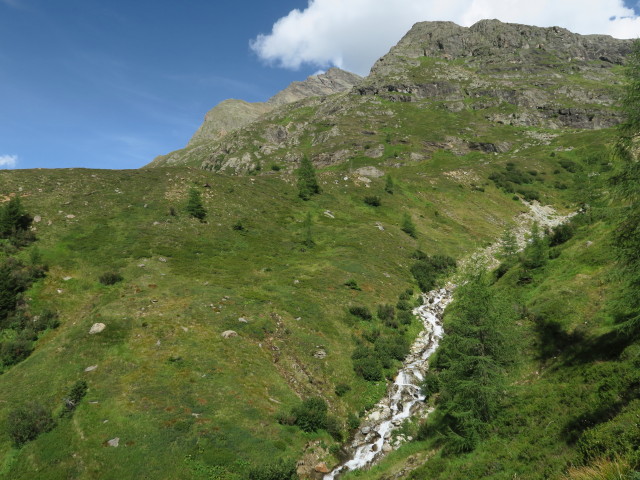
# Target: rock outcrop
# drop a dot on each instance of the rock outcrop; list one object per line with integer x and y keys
{"x": 229, "y": 115}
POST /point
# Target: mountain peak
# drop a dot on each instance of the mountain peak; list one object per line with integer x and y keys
{"x": 231, "y": 114}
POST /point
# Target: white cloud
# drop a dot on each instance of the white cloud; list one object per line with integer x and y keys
{"x": 8, "y": 161}
{"x": 352, "y": 34}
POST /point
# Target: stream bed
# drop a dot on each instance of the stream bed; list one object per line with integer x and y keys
{"x": 404, "y": 398}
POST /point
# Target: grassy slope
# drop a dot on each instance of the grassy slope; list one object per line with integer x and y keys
{"x": 146, "y": 392}
{"x": 161, "y": 357}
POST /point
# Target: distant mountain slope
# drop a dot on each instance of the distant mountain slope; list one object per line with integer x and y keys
{"x": 232, "y": 114}
{"x": 493, "y": 87}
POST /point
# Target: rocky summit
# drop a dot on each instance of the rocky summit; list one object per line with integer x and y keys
{"x": 493, "y": 76}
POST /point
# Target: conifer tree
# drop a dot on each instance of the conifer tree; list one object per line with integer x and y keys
{"x": 626, "y": 183}
{"x": 194, "y": 207}
{"x": 307, "y": 182}
{"x": 508, "y": 246}
{"x": 13, "y": 218}
{"x": 408, "y": 226}
{"x": 472, "y": 359}
{"x": 388, "y": 184}
{"x": 308, "y": 236}
{"x": 536, "y": 253}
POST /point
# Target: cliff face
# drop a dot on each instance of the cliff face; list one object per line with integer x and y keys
{"x": 553, "y": 77}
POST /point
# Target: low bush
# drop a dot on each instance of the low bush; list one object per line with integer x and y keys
{"x": 310, "y": 415}
{"x": 342, "y": 389}
{"x": 14, "y": 351}
{"x": 372, "y": 200}
{"x": 352, "y": 284}
{"x": 360, "y": 312}
{"x": 28, "y": 421}
{"x": 386, "y": 313}
{"x": 110, "y": 278}
{"x": 280, "y": 470}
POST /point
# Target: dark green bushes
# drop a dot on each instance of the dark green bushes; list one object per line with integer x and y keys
{"x": 28, "y": 421}
{"x": 427, "y": 270}
{"x": 280, "y": 470}
{"x": 386, "y": 313}
{"x": 342, "y": 389}
{"x": 372, "y": 200}
{"x": 360, "y": 312}
{"x": 110, "y": 278}
{"x": 15, "y": 221}
{"x": 310, "y": 416}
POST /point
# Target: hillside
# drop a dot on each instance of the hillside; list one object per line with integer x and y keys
{"x": 215, "y": 331}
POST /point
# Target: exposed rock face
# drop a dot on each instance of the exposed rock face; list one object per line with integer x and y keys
{"x": 333, "y": 81}
{"x": 227, "y": 116}
{"x": 503, "y": 47}
{"x": 493, "y": 63}
{"x": 232, "y": 114}
{"x": 496, "y": 75}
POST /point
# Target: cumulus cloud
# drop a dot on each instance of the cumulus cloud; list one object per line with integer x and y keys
{"x": 352, "y": 34}
{"x": 8, "y": 161}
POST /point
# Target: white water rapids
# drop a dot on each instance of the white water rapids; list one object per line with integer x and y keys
{"x": 404, "y": 397}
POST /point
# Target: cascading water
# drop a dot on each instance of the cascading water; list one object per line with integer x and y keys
{"x": 403, "y": 398}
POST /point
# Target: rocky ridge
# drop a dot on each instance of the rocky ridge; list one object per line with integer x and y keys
{"x": 439, "y": 84}
{"x": 229, "y": 115}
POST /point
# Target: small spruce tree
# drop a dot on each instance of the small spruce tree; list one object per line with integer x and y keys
{"x": 388, "y": 184}
{"x": 307, "y": 182}
{"x": 308, "y": 236}
{"x": 408, "y": 226}
{"x": 13, "y": 218}
{"x": 537, "y": 252}
{"x": 508, "y": 246}
{"x": 194, "y": 207}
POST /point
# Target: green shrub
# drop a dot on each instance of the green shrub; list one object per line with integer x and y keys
{"x": 28, "y": 421}
{"x": 427, "y": 269}
{"x": 307, "y": 182}
{"x": 405, "y": 317}
{"x": 14, "y": 351}
{"x": 342, "y": 389}
{"x": 372, "y": 200}
{"x": 403, "y": 305}
{"x": 386, "y": 312}
{"x": 334, "y": 428}
{"x": 431, "y": 384}
{"x": 368, "y": 368}
{"x": 311, "y": 414}
{"x": 352, "y": 284}
{"x": 561, "y": 234}
{"x": 353, "y": 421}
{"x": 360, "y": 312}
{"x": 238, "y": 226}
{"x": 110, "y": 278}
{"x": 393, "y": 346}
{"x": 280, "y": 470}
{"x": 569, "y": 166}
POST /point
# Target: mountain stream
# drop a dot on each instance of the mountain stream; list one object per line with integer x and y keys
{"x": 404, "y": 398}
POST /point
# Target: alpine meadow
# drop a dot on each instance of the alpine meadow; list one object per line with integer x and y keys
{"x": 431, "y": 272}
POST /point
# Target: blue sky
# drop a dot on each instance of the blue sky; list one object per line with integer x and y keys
{"x": 113, "y": 83}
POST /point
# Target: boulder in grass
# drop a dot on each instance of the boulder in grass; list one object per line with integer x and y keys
{"x": 229, "y": 334}
{"x": 97, "y": 328}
